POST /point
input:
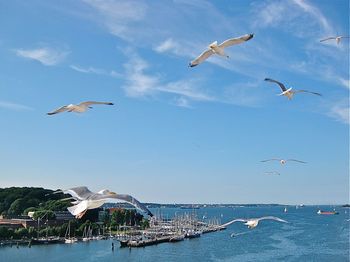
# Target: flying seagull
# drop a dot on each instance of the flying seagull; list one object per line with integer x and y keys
{"x": 79, "y": 108}
{"x": 336, "y": 38}
{"x": 214, "y": 48}
{"x": 272, "y": 173}
{"x": 289, "y": 92}
{"x": 85, "y": 199}
{"x": 253, "y": 222}
{"x": 283, "y": 161}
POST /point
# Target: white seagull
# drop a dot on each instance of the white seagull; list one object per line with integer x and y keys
{"x": 272, "y": 173}
{"x": 85, "y": 200}
{"x": 289, "y": 92}
{"x": 253, "y": 222}
{"x": 79, "y": 108}
{"x": 283, "y": 161}
{"x": 336, "y": 38}
{"x": 214, "y": 48}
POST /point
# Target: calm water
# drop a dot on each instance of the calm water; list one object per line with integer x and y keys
{"x": 308, "y": 237}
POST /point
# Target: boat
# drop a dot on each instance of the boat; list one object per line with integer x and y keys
{"x": 68, "y": 239}
{"x": 124, "y": 242}
{"x": 320, "y": 212}
{"x": 86, "y": 234}
{"x": 46, "y": 241}
{"x": 177, "y": 238}
{"x": 285, "y": 210}
{"x": 193, "y": 234}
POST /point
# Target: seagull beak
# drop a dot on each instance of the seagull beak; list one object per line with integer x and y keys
{"x": 112, "y": 193}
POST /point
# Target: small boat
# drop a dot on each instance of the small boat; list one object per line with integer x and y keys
{"x": 193, "y": 234}
{"x": 285, "y": 210}
{"x": 320, "y": 212}
{"x": 46, "y": 241}
{"x": 124, "y": 243}
{"x": 68, "y": 239}
{"x": 177, "y": 238}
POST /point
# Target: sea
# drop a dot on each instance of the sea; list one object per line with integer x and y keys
{"x": 307, "y": 237}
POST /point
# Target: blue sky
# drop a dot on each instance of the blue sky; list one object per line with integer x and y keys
{"x": 176, "y": 134}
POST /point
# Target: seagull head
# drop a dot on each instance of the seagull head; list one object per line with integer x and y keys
{"x": 214, "y": 44}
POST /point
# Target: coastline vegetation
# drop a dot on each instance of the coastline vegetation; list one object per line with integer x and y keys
{"x": 16, "y": 202}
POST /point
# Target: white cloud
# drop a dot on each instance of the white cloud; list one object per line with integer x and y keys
{"x": 341, "y": 113}
{"x": 168, "y": 45}
{"x": 182, "y": 102}
{"x": 292, "y": 16}
{"x": 14, "y": 106}
{"x": 45, "y": 55}
{"x": 93, "y": 70}
{"x": 316, "y": 14}
{"x": 139, "y": 83}
{"x": 118, "y": 16}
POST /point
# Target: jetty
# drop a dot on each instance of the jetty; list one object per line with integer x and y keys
{"x": 163, "y": 230}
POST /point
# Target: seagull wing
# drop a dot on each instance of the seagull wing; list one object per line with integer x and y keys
{"x": 79, "y": 208}
{"x": 89, "y": 103}
{"x": 278, "y": 83}
{"x": 328, "y": 38}
{"x": 272, "y": 159}
{"x": 79, "y": 193}
{"x": 234, "y": 221}
{"x": 296, "y": 160}
{"x": 272, "y": 218}
{"x": 305, "y": 91}
{"x": 201, "y": 57}
{"x": 235, "y": 41}
{"x": 59, "y": 110}
{"x": 127, "y": 198}
{"x": 272, "y": 173}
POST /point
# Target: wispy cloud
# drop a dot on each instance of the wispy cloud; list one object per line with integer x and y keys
{"x": 291, "y": 15}
{"x": 341, "y": 113}
{"x": 182, "y": 102}
{"x": 139, "y": 83}
{"x": 93, "y": 70}
{"x": 46, "y": 55}
{"x": 119, "y": 16}
{"x": 14, "y": 106}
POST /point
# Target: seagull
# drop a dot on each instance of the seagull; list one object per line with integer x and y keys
{"x": 214, "y": 48}
{"x": 79, "y": 108}
{"x": 289, "y": 92}
{"x": 283, "y": 161}
{"x": 272, "y": 173}
{"x": 85, "y": 200}
{"x": 253, "y": 222}
{"x": 336, "y": 38}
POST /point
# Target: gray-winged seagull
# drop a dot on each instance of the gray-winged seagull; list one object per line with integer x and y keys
{"x": 214, "y": 48}
{"x": 79, "y": 108}
{"x": 289, "y": 92}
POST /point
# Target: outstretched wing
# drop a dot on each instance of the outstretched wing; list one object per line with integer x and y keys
{"x": 203, "y": 56}
{"x": 272, "y": 218}
{"x": 328, "y": 38}
{"x": 79, "y": 193}
{"x": 272, "y": 159}
{"x": 127, "y": 198}
{"x": 79, "y": 208}
{"x": 59, "y": 110}
{"x": 237, "y": 40}
{"x": 305, "y": 91}
{"x": 89, "y": 103}
{"x": 234, "y": 221}
{"x": 296, "y": 160}
{"x": 278, "y": 83}
{"x": 272, "y": 173}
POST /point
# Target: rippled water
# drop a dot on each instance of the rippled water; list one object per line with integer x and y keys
{"x": 308, "y": 237}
